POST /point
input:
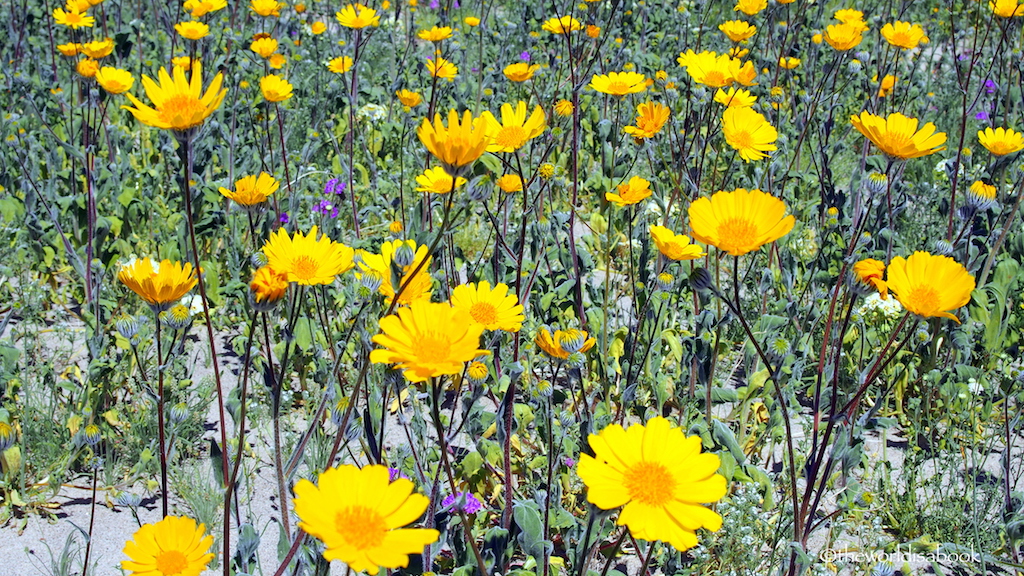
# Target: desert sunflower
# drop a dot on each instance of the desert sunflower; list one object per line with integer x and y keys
{"x": 619, "y": 83}
{"x": 267, "y": 287}
{"x": 930, "y": 285}
{"x": 845, "y": 36}
{"x": 159, "y": 284}
{"x": 632, "y": 192}
{"x": 737, "y": 30}
{"x": 650, "y": 118}
{"x": 275, "y": 88}
{"x": 174, "y": 546}
{"x": 305, "y": 259}
{"x": 114, "y": 80}
{"x": 897, "y": 135}
{"x": 179, "y": 104}
{"x": 562, "y": 343}
{"x": 735, "y": 98}
{"x": 437, "y": 181}
{"x": 192, "y": 30}
{"x": 660, "y": 478}
{"x": 903, "y": 34}
{"x": 435, "y": 34}
{"x": 409, "y": 98}
{"x": 739, "y": 221}
{"x": 340, "y": 65}
{"x": 252, "y": 191}
{"x": 357, "y": 16}
{"x": 563, "y": 25}
{"x": 441, "y": 68}
{"x": 1006, "y": 8}
{"x": 493, "y": 308}
{"x": 714, "y": 71}
{"x": 420, "y": 286}
{"x": 515, "y": 128}
{"x": 675, "y": 246}
{"x": 428, "y": 339}
{"x": 72, "y": 18}
{"x": 869, "y": 274}
{"x": 1001, "y": 141}
{"x": 459, "y": 144}
{"x": 359, "y": 516}
{"x": 520, "y": 71}
{"x": 263, "y": 45}
{"x": 748, "y": 133}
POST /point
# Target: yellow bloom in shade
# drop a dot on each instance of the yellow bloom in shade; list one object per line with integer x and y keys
{"x": 789, "y": 62}
{"x": 492, "y": 308}
{"x": 740, "y": 221}
{"x": 675, "y": 246}
{"x": 81, "y": 6}
{"x": 409, "y": 98}
{"x": 593, "y": 31}
{"x": 735, "y": 98}
{"x": 266, "y": 8}
{"x": 632, "y": 192}
{"x": 317, "y": 28}
{"x": 305, "y": 259}
{"x": 419, "y": 288}
{"x": 650, "y": 118}
{"x": 563, "y": 342}
{"x": 1001, "y": 141}
{"x": 301, "y": 8}
{"x": 192, "y": 30}
{"x": 276, "y": 61}
{"x": 357, "y": 16}
{"x": 843, "y": 37}
{"x": 441, "y": 68}
{"x": 563, "y": 25}
{"x": 563, "y": 108}
{"x": 515, "y": 128}
{"x": 930, "y": 285}
{"x": 471, "y": 21}
{"x": 903, "y": 34}
{"x": 1006, "y": 8}
{"x": 200, "y": 8}
{"x": 869, "y": 273}
{"x": 275, "y": 88}
{"x": 710, "y": 69}
{"x": 161, "y": 284}
{"x": 520, "y": 71}
{"x": 359, "y": 516}
{"x": 886, "y": 86}
{"x": 172, "y": 546}
{"x": 69, "y": 49}
{"x": 427, "y": 340}
{"x": 98, "y": 49}
{"x": 619, "y": 83}
{"x": 264, "y": 46}
{"x": 660, "y": 478}
{"x": 435, "y": 34}
{"x": 252, "y": 190}
{"x": 750, "y": 7}
{"x": 457, "y": 145}
{"x": 73, "y": 19}
{"x": 438, "y": 181}
{"x": 183, "y": 62}
{"x": 114, "y": 80}
{"x": 178, "y": 104}
{"x": 748, "y": 133}
{"x": 737, "y": 30}
{"x": 340, "y": 65}
{"x": 87, "y": 68}
{"x": 510, "y": 183}
{"x": 268, "y": 285}
{"x": 898, "y": 136}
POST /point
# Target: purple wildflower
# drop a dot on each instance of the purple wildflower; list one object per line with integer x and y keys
{"x": 283, "y": 218}
{"x": 395, "y": 474}
{"x": 990, "y": 87}
{"x": 470, "y": 506}
{"x": 569, "y": 462}
{"x": 981, "y": 115}
{"x": 434, "y": 4}
{"x": 525, "y": 56}
{"x": 326, "y": 208}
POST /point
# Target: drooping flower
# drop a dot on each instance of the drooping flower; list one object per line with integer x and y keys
{"x": 69, "y": 49}
{"x": 493, "y": 308}
{"x": 418, "y": 287}
{"x": 515, "y": 128}
{"x": 428, "y": 339}
{"x": 869, "y": 273}
{"x": 789, "y": 62}
{"x": 357, "y": 16}
{"x": 897, "y": 135}
{"x": 359, "y": 515}
{"x": 409, "y": 98}
{"x": 340, "y": 65}
{"x": 733, "y": 97}
{"x": 650, "y": 118}
{"x": 159, "y": 284}
{"x": 275, "y": 88}
{"x": 563, "y": 25}
{"x": 660, "y": 478}
{"x": 72, "y": 19}
{"x": 441, "y": 68}
{"x": 563, "y": 108}
{"x": 1001, "y": 141}
{"x": 903, "y": 34}
{"x": 437, "y": 181}
{"x": 435, "y": 34}
{"x": 305, "y": 259}
{"x": 929, "y": 285}
{"x": 174, "y": 546}
{"x": 886, "y": 86}
{"x": 737, "y": 30}
{"x": 748, "y": 133}
{"x": 844, "y": 37}
{"x": 459, "y": 144}
{"x": 632, "y": 192}
{"x": 563, "y": 342}
{"x": 739, "y": 221}
{"x": 179, "y": 104}
{"x": 192, "y": 30}
{"x": 520, "y": 71}
{"x": 252, "y": 191}
{"x": 114, "y": 80}
{"x": 981, "y": 195}
{"x": 675, "y": 246}
{"x": 268, "y": 286}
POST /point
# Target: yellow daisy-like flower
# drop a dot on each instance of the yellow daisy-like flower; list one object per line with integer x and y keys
{"x": 710, "y": 69}
{"x": 675, "y": 246}
{"x": 788, "y": 62}
{"x": 409, "y": 98}
{"x": 183, "y": 62}
{"x": 748, "y": 133}
{"x": 437, "y": 181}
{"x": 981, "y": 193}
{"x": 520, "y": 71}
{"x": 114, "y": 80}
{"x": 435, "y": 34}
{"x": 660, "y": 478}
{"x": 441, "y": 68}
{"x": 929, "y": 285}
{"x": 886, "y": 86}
{"x": 750, "y": 7}
{"x": 73, "y": 19}
{"x": 738, "y": 98}
{"x": 848, "y": 15}
{"x": 903, "y": 34}
{"x": 69, "y": 49}
{"x": 252, "y": 190}
{"x": 459, "y": 144}
{"x": 1007, "y": 8}
{"x": 275, "y": 88}
{"x": 563, "y": 108}
{"x": 563, "y": 342}
{"x": 632, "y": 192}
{"x": 161, "y": 284}
{"x": 359, "y": 516}
{"x": 266, "y": 8}
{"x": 650, "y": 118}
{"x": 98, "y": 49}
{"x": 619, "y": 83}
{"x": 192, "y": 30}
{"x": 563, "y": 25}
{"x": 87, "y": 68}
{"x": 510, "y": 183}
{"x": 305, "y": 259}
{"x": 471, "y": 21}
{"x": 276, "y": 61}
{"x": 268, "y": 285}
{"x": 174, "y": 546}
{"x": 317, "y": 28}
{"x": 419, "y": 287}
{"x": 77, "y": 5}
{"x": 493, "y": 308}
{"x": 897, "y": 135}
{"x": 737, "y": 30}
{"x": 264, "y": 46}
{"x": 179, "y": 104}
{"x": 740, "y": 221}
{"x": 340, "y": 65}
{"x": 427, "y": 340}
{"x": 200, "y": 8}
{"x": 515, "y": 128}
{"x": 869, "y": 273}
{"x": 1001, "y": 141}
{"x": 843, "y": 37}
{"x": 357, "y": 16}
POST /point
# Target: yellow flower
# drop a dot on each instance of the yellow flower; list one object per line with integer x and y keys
{"x": 817, "y": 38}
{"x": 183, "y": 62}
{"x": 192, "y": 30}
{"x": 716, "y": 71}
{"x": 897, "y": 135}
{"x": 520, "y": 71}
{"x": 903, "y": 34}
{"x": 437, "y": 181}
{"x": 200, "y": 8}
{"x": 843, "y": 37}
{"x": 886, "y": 86}
{"x": 459, "y": 144}
{"x": 869, "y": 273}
{"x": 492, "y": 308}
{"x": 471, "y": 21}
{"x": 849, "y": 15}
{"x": 114, "y": 80}
{"x": 510, "y": 183}
{"x": 930, "y": 285}
{"x": 419, "y": 287}
{"x": 563, "y": 108}
{"x": 69, "y": 49}
{"x": 87, "y": 68}
{"x": 268, "y": 285}
{"x": 562, "y": 343}
{"x": 593, "y": 31}
{"x": 660, "y": 478}
{"x": 264, "y": 46}
{"x": 441, "y": 68}
{"x": 477, "y": 371}
{"x": 78, "y": 5}
{"x": 427, "y": 340}
{"x": 515, "y": 129}
{"x": 735, "y": 98}
{"x": 748, "y": 133}
{"x": 98, "y": 49}
{"x": 737, "y": 30}
{"x": 252, "y": 190}
{"x": 174, "y": 545}
{"x": 619, "y": 83}
{"x": 178, "y": 103}
{"x": 789, "y": 62}
{"x": 1001, "y": 141}
{"x": 981, "y": 193}
{"x": 317, "y": 28}
{"x": 275, "y": 88}
{"x": 435, "y": 34}
{"x": 340, "y": 65}
{"x": 301, "y": 8}
{"x": 358, "y": 515}
{"x": 632, "y": 192}
{"x": 650, "y": 118}
{"x": 73, "y": 19}
{"x": 276, "y": 61}
{"x": 750, "y": 7}
{"x": 158, "y": 284}
{"x": 1006, "y": 8}
{"x": 740, "y": 221}
{"x": 357, "y": 16}
{"x": 563, "y": 25}
{"x": 408, "y": 98}
{"x": 674, "y": 246}
{"x": 305, "y": 259}
{"x": 266, "y": 7}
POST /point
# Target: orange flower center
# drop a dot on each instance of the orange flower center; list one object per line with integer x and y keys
{"x": 618, "y": 87}
{"x": 181, "y": 111}
{"x": 434, "y": 346}
{"x": 650, "y": 483}
{"x": 441, "y": 185}
{"x": 675, "y": 250}
{"x": 304, "y": 268}
{"x": 901, "y": 39}
{"x": 715, "y": 78}
{"x": 484, "y": 313}
{"x": 171, "y": 562}
{"x": 73, "y": 18}
{"x": 742, "y": 139}
{"x": 737, "y": 233}
{"x": 511, "y": 137}
{"x": 923, "y": 300}
{"x": 362, "y": 528}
